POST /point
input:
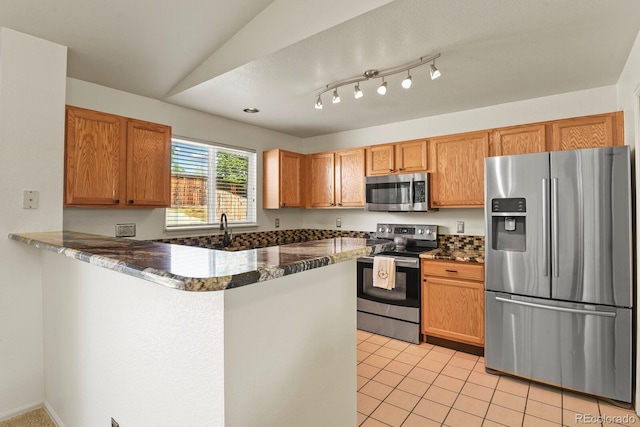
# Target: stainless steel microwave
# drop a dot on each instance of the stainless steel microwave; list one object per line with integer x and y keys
{"x": 397, "y": 193}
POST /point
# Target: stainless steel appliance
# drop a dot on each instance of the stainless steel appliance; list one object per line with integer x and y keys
{"x": 395, "y": 313}
{"x": 558, "y": 303}
{"x": 397, "y": 193}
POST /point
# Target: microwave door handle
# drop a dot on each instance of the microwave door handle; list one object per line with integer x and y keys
{"x": 411, "y": 191}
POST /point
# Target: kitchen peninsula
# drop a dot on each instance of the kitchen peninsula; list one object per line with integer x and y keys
{"x": 149, "y": 333}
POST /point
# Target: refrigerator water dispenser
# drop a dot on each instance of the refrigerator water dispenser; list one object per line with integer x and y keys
{"x": 508, "y": 225}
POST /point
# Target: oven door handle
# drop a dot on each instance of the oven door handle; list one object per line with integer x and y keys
{"x": 404, "y": 262}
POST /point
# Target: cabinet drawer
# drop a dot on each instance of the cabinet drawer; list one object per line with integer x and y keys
{"x": 453, "y": 269}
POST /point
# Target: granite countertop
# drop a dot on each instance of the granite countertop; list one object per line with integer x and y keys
{"x": 454, "y": 255}
{"x": 199, "y": 269}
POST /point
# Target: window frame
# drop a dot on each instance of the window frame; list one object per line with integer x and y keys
{"x": 252, "y": 187}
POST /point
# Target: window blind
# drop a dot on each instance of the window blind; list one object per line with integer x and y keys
{"x": 208, "y": 180}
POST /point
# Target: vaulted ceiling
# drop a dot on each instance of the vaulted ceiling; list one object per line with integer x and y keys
{"x": 221, "y": 56}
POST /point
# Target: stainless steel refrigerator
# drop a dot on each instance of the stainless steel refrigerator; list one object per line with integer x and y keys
{"x": 558, "y": 302}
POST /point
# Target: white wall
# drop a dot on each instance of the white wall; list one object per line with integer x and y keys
{"x": 190, "y": 123}
{"x": 629, "y": 101}
{"x": 122, "y": 347}
{"x": 186, "y": 123}
{"x": 581, "y": 103}
{"x": 290, "y": 362}
{"x": 147, "y": 355}
{"x": 32, "y": 91}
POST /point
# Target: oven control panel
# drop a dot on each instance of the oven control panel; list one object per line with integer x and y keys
{"x": 410, "y": 231}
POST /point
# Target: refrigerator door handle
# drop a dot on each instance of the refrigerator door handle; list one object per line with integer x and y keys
{"x": 545, "y": 227}
{"x": 554, "y": 227}
{"x": 554, "y": 308}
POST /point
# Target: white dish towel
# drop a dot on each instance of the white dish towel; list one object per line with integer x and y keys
{"x": 384, "y": 272}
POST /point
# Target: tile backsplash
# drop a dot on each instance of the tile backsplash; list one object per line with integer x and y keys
{"x": 461, "y": 242}
{"x": 262, "y": 239}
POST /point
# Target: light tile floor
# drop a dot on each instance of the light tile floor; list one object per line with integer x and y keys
{"x": 409, "y": 385}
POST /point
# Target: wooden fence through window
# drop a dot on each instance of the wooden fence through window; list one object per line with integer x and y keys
{"x": 191, "y": 191}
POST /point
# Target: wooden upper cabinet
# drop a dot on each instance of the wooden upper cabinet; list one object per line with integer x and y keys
{"x": 411, "y": 156}
{"x": 148, "y": 164}
{"x": 523, "y": 139}
{"x": 321, "y": 191}
{"x": 283, "y": 179}
{"x": 291, "y": 179}
{"x": 380, "y": 159}
{"x": 336, "y": 179}
{"x": 588, "y": 132}
{"x": 457, "y": 166}
{"x": 349, "y": 178}
{"x": 116, "y": 161}
{"x": 95, "y": 151}
{"x": 401, "y": 157}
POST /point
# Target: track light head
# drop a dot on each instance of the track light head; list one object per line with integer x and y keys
{"x": 357, "y": 93}
{"x": 336, "y": 97}
{"x": 382, "y": 89}
{"x": 319, "y": 103}
{"x": 406, "y": 83}
{"x": 435, "y": 73}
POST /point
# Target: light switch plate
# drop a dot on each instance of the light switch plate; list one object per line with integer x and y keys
{"x": 338, "y": 222}
{"x": 277, "y": 222}
{"x": 30, "y": 199}
{"x": 460, "y": 227}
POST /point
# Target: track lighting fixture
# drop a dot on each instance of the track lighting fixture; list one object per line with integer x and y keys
{"x": 406, "y": 83}
{"x": 357, "y": 93}
{"x": 336, "y": 97}
{"x": 382, "y": 89}
{"x": 435, "y": 73}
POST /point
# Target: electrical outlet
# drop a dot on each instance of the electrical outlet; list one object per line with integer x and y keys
{"x": 126, "y": 230}
{"x": 338, "y": 222}
{"x": 460, "y": 227}
{"x": 277, "y": 222}
{"x": 114, "y": 423}
{"x": 30, "y": 199}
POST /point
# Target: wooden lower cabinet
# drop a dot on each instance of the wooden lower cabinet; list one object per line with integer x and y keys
{"x": 453, "y": 301}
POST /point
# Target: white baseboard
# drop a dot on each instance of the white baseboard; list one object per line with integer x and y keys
{"x": 21, "y": 410}
{"x": 52, "y": 414}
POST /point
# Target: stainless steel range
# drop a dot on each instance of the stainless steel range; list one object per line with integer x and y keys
{"x": 394, "y": 311}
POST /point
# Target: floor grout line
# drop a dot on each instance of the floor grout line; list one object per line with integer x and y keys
{"x": 507, "y": 389}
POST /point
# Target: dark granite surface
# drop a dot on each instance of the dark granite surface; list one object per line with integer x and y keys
{"x": 199, "y": 269}
{"x": 454, "y": 255}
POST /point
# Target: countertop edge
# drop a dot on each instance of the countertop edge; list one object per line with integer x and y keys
{"x": 473, "y": 257}
{"x": 195, "y": 284}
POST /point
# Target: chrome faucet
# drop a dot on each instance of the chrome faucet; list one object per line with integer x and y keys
{"x": 226, "y": 239}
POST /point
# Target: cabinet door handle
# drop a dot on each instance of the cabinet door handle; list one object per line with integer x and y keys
{"x": 451, "y": 271}
{"x": 390, "y": 170}
{"x": 282, "y": 205}
{"x": 116, "y": 201}
{"x": 130, "y": 202}
{"x": 339, "y": 204}
{"x": 400, "y": 169}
